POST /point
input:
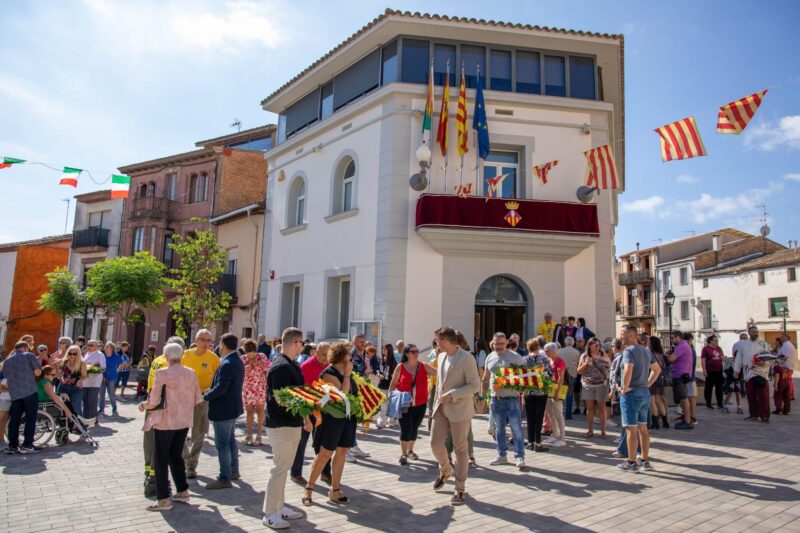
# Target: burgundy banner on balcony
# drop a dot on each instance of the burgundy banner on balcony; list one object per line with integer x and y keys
{"x": 510, "y": 214}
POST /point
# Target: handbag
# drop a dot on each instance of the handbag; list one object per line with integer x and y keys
{"x": 480, "y": 404}
{"x": 163, "y": 403}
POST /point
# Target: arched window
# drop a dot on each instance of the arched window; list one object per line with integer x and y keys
{"x": 344, "y": 186}
{"x": 296, "y": 206}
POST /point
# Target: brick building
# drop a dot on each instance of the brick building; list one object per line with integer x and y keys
{"x": 223, "y": 174}
{"x": 23, "y": 266}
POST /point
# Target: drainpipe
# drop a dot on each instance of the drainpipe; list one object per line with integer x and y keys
{"x": 253, "y": 280}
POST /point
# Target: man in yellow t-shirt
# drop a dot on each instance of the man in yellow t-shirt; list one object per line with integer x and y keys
{"x": 204, "y": 362}
{"x": 547, "y": 327}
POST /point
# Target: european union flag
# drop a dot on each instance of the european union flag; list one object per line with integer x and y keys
{"x": 479, "y": 122}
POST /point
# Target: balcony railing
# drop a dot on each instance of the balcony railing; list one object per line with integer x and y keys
{"x": 645, "y": 310}
{"x": 227, "y": 283}
{"x": 637, "y": 276}
{"x": 91, "y": 238}
{"x": 149, "y": 207}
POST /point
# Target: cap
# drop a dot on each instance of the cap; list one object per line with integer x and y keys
{"x": 41, "y": 347}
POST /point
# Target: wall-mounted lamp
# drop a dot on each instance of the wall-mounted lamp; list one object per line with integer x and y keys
{"x": 587, "y": 130}
{"x": 419, "y": 181}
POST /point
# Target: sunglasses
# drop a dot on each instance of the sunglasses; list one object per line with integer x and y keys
{"x": 43, "y": 350}
{"x": 72, "y": 353}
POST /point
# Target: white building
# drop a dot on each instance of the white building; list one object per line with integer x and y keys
{"x": 752, "y": 289}
{"x": 348, "y": 244}
{"x": 95, "y": 237}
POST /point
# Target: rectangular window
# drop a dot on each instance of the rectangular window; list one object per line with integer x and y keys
{"x": 416, "y": 61}
{"x": 498, "y": 164}
{"x": 666, "y": 276}
{"x": 581, "y": 77}
{"x": 705, "y": 283}
{"x": 631, "y": 302}
{"x": 648, "y": 310}
{"x": 168, "y": 252}
{"x": 777, "y": 306}
{"x": 172, "y": 187}
{"x": 197, "y": 188}
{"x": 555, "y": 80}
{"x": 762, "y": 278}
{"x": 344, "y": 306}
{"x": 138, "y": 239}
{"x": 303, "y": 113}
{"x": 708, "y": 316}
{"x": 684, "y": 275}
{"x": 389, "y": 63}
{"x": 684, "y": 310}
{"x": 230, "y": 267}
{"x": 96, "y": 219}
{"x": 442, "y": 53}
{"x": 347, "y": 194}
{"x": 473, "y": 57}
{"x": 359, "y": 79}
{"x": 529, "y": 72}
{"x": 791, "y": 274}
{"x": 326, "y": 103}
{"x": 500, "y": 70}
{"x": 247, "y": 333}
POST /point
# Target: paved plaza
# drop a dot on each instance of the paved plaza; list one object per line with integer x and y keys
{"x": 727, "y": 474}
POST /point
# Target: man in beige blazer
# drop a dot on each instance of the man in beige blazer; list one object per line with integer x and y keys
{"x": 456, "y": 385}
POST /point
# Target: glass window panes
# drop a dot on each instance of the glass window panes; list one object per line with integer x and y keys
{"x": 359, "y": 79}
{"x": 138, "y": 239}
{"x": 344, "y": 306}
{"x": 684, "y": 275}
{"x": 326, "y": 103}
{"x": 777, "y": 305}
{"x": 502, "y": 163}
{"x": 473, "y": 57}
{"x": 555, "y": 83}
{"x": 296, "y": 305}
{"x": 389, "y": 63}
{"x": 529, "y": 72}
{"x": 302, "y": 113}
{"x": 442, "y": 53}
{"x": 684, "y": 310}
{"x": 416, "y": 61}
{"x": 500, "y": 70}
{"x": 172, "y": 186}
{"x": 168, "y": 251}
{"x": 667, "y": 276}
{"x": 96, "y": 219}
{"x": 347, "y": 186}
{"x": 500, "y": 289}
{"x": 581, "y": 77}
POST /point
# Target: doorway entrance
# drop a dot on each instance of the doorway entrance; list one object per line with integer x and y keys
{"x": 500, "y": 305}
{"x": 136, "y": 336}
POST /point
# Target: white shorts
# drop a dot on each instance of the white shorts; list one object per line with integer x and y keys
{"x": 5, "y": 405}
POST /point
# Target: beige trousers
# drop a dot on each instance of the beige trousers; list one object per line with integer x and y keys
{"x": 194, "y": 445}
{"x": 284, "y": 443}
{"x": 555, "y": 410}
{"x": 459, "y": 431}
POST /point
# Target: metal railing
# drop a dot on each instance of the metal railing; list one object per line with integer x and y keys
{"x": 637, "y": 276}
{"x": 149, "y": 207}
{"x": 638, "y": 310}
{"x": 90, "y": 238}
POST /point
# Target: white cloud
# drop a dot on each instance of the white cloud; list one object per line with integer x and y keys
{"x": 768, "y": 136}
{"x": 686, "y": 178}
{"x": 186, "y": 27}
{"x": 745, "y": 204}
{"x": 645, "y": 206}
{"x": 792, "y": 176}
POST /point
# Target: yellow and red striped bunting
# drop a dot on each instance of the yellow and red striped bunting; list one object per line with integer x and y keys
{"x": 734, "y": 117}
{"x": 541, "y": 171}
{"x": 601, "y": 168}
{"x": 680, "y": 140}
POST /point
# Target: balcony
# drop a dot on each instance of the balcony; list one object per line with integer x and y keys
{"x": 505, "y": 228}
{"x": 149, "y": 207}
{"x": 637, "y": 311}
{"x": 90, "y": 239}
{"x": 227, "y": 283}
{"x": 635, "y": 277}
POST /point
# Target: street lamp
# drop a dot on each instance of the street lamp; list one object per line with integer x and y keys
{"x": 669, "y": 299}
{"x": 784, "y": 314}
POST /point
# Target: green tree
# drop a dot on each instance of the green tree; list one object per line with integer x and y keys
{"x": 65, "y": 297}
{"x": 124, "y": 283}
{"x": 199, "y": 298}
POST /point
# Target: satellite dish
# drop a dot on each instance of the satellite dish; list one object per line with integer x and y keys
{"x": 764, "y": 230}
{"x": 586, "y": 194}
{"x": 418, "y": 182}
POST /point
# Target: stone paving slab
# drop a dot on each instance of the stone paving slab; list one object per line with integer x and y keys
{"x": 725, "y": 475}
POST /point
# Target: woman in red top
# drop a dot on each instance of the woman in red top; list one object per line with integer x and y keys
{"x": 411, "y": 375}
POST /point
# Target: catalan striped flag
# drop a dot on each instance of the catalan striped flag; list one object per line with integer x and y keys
{"x": 444, "y": 114}
{"x": 541, "y": 171}
{"x": 427, "y": 118}
{"x": 733, "y": 117}
{"x": 493, "y": 185}
{"x": 461, "y": 118}
{"x": 462, "y": 191}
{"x": 680, "y": 140}
{"x": 601, "y": 168}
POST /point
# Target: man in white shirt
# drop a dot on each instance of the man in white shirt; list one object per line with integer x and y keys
{"x": 570, "y": 356}
{"x": 784, "y": 388}
{"x": 756, "y": 375}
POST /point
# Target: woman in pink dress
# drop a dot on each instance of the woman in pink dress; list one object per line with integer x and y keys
{"x": 254, "y": 388}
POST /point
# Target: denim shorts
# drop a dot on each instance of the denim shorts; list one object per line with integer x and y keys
{"x": 634, "y": 407}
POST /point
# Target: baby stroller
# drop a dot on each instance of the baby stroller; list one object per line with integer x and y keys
{"x": 52, "y": 422}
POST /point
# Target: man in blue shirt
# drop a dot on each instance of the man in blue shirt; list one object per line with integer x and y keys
{"x": 21, "y": 369}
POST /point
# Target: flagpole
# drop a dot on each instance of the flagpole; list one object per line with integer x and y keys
{"x": 447, "y": 83}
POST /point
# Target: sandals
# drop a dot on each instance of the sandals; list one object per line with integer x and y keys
{"x": 403, "y": 459}
{"x": 337, "y": 499}
{"x": 307, "y": 492}
{"x": 412, "y": 455}
{"x": 472, "y": 463}
{"x": 589, "y": 434}
{"x": 258, "y": 441}
{"x": 248, "y": 441}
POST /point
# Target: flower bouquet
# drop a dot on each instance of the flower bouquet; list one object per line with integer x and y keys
{"x": 522, "y": 379}
{"x": 93, "y": 370}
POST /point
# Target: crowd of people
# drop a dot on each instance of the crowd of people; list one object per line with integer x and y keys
{"x": 187, "y": 390}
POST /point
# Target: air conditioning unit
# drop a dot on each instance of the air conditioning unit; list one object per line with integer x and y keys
{"x": 634, "y": 292}
{"x": 634, "y": 259}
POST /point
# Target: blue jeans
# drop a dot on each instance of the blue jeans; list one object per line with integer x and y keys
{"x": 576, "y": 381}
{"x": 75, "y": 397}
{"x": 108, "y": 385}
{"x": 507, "y": 411}
{"x": 227, "y": 450}
{"x": 634, "y": 407}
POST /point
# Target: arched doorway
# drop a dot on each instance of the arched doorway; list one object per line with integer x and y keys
{"x": 501, "y": 304}
{"x": 136, "y": 335}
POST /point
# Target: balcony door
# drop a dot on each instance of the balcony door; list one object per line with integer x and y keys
{"x": 502, "y": 163}
{"x": 501, "y": 304}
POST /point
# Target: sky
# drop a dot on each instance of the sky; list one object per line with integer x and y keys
{"x": 98, "y": 84}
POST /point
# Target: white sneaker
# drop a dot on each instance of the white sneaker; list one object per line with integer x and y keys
{"x": 549, "y": 440}
{"x": 291, "y": 514}
{"x": 350, "y": 457}
{"x": 275, "y": 521}
{"x": 520, "y": 463}
{"x": 499, "y": 461}
{"x": 358, "y": 452}
{"x": 88, "y": 422}
{"x": 557, "y": 443}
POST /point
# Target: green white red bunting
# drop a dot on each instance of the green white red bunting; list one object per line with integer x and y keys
{"x": 8, "y": 161}
{"x": 120, "y": 185}
{"x": 70, "y": 177}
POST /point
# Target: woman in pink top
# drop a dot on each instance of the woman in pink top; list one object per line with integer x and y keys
{"x": 177, "y": 386}
{"x": 254, "y": 388}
